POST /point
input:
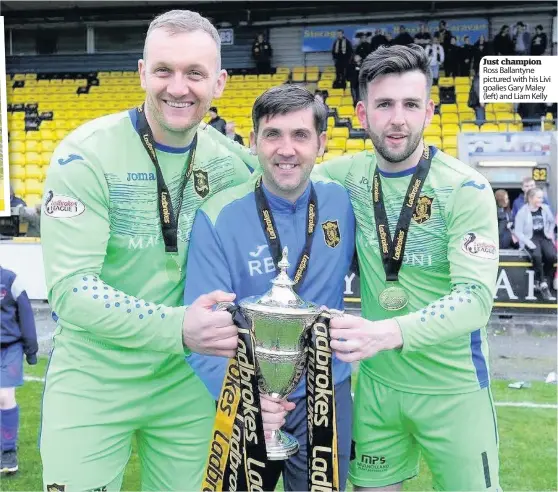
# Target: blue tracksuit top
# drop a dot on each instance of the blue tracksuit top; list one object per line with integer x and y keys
{"x": 229, "y": 251}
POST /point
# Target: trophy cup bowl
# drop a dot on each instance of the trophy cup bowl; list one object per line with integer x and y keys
{"x": 280, "y": 320}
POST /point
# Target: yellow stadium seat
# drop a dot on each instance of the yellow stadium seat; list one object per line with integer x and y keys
{"x": 489, "y": 127}
{"x": 354, "y": 144}
{"x": 324, "y": 85}
{"x": 279, "y": 77}
{"x": 345, "y": 111}
{"x": 498, "y": 107}
{"x": 32, "y": 135}
{"x": 17, "y": 159}
{"x": 17, "y": 171}
{"x": 33, "y": 146}
{"x": 340, "y": 131}
{"x": 328, "y": 76}
{"x": 504, "y": 116}
{"x": 18, "y": 185}
{"x": 312, "y": 77}
{"x": 17, "y": 125}
{"x": 467, "y": 116}
{"x": 16, "y": 146}
{"x": 33, "y": 171}
{"x": 298, "y": 76}
{"x": 445, "y": 81}
{"x": 448, "y": 108}
{"x": 368, "y": 145}
{"x": 33, "y": 158}
{"x": 433, "y": 131}
{"x": 264, "y": 76}
{"x": 61, "y": 124}
{"x": 336, "y": 92}
{"x": 329, "y": 69}
{"x": 336, "y": 143}
{"x": 282, "y": 70}
{"x": 434, "y": 90}
{"x": 333, "y": 153}
{"x": 449, "y": 118}
{"x": 33, "y": 199}
{"x": 34, "y": 186}
{"x": 334, "y": 101}
{"x": 328, "y": 132}
{"x": 449, "y": 141}
{"x": 436, "y": 120}
{"x": 450, "y": 129}
{"x": 462, "y": 98}
{"x": 451, "y": 151}
{"x": 355, "y": 122}
{"x": 436, "y": 141}
{"x": 462, "y": 81}
{"x": 462, "y": 89}
{"x": 250, "y": 77}
{"x": 299, "y": 69}
{"x": 347, "y": 101}
{"x": 45, "y": 158}
{"x": 469, "y": 127}
{"x": 435, "y": 99}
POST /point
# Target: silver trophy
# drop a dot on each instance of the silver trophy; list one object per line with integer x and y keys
{"x": 280, "y": 320}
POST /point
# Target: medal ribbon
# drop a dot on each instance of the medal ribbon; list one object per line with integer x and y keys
{"x": 272, "y": 236}
{"x": 393, "y": 249}
{"x": 169, "y": 219}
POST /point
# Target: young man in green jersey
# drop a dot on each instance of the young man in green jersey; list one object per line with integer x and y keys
{"x": 120, "y": 199}
{"x": 427, "y": 241}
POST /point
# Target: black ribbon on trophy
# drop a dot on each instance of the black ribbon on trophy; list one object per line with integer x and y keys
{"x": 238, "y": 452}
{"x": 392, "y": 249}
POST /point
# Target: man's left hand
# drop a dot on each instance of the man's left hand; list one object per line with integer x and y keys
{"x": 354, "y": 338}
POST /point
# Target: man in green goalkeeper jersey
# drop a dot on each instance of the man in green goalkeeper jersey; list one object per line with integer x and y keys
{"x": 120, "y": 199}
{"x": 427, "y": 243}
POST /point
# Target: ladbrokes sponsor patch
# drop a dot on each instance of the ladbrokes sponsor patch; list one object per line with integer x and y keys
{"x": 62, "y": 206}
{"x": 478, "y": 246}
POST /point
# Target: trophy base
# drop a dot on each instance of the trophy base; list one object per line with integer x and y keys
{"x": 281, "y": 446}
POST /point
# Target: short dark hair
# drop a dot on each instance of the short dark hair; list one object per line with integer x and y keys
{"x": 539, "y": 27}
{"x": 394, "y": 59}
{"x": 214, "y": 109}
{"x": 286, "y": 98}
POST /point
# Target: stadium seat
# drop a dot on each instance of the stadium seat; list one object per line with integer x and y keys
{"x": 17, "y": 171}
{"x": 451, "y": 151}
{"x": 17, "y": 159}
{"x": 433, "y": 131}
{"x": 33, "y": 171}
{"x": 368, "y": 145}
{"x": 449, "y": 118}
{"x": 450, "y": 129}
{"x": 436, "y": 120}
{"x": 336, "y": 143}
{"x": 436, "y": 141}
{"x": 33, "y": 159}
{"x": 449, "y": 141}
{"x": 345, "y": 111}
{"x": 461, "y": 81}
{"x": 18, "y": 185}
{"x": 354, "y": 145}
{"x": 446, "y": 82}
{"x": 341, "y": 131}
{"x": 469, "y": 127}
{"x": 462, "y": 98}
{"x": 448, "y": 108}
{"x": 489, "y": 127}
{"x": 33, "y": 146}
{"x": 16, "y": 146}
{"x": 462, "y": 89}
{"x": 334, "y": 101}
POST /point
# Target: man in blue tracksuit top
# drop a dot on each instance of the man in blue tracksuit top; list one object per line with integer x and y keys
{"x": 18, "y": 337}
{"x": 229, "y": 250}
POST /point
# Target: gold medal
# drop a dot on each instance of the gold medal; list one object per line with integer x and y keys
{"x": 393, "y": 298}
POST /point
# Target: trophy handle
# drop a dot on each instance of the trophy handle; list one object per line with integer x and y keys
{"x": 223, "y": 306}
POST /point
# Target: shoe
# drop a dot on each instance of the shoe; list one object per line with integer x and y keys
{"x": 545, "y": 292}
{"x": 9, "y": 462}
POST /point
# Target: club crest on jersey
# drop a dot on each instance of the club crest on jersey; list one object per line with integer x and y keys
{"x": 332, "y": 236}
{"x": 201, "y": 183}
{"x": 478, "y": 246}
{"x": 423, "y": 210}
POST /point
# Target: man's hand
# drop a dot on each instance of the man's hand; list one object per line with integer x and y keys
{"x": 31, "y": 359}
{"x": 354, "y": 338}
{"x": 210, "y": 332}
{"x": 274, "y": 412}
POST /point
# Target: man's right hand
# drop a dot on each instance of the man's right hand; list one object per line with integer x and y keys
{"x": 210, "y": 332}
{"x": 274, "y": 412}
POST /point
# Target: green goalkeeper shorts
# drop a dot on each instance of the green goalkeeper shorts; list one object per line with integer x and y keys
{"x": 456, "y": 434}
{"x": 97, "y": 399}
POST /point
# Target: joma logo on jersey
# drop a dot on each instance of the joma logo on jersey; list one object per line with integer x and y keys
{"x": 141, "y": 177}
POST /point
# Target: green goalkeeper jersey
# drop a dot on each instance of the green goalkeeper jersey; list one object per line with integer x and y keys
{"x": 449, "y": 272}
{"x": 108, "y": 276}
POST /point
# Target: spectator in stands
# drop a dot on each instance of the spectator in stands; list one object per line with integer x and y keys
{"x": 363, "y": 47}
{"x": 528, "y": 183}
{"x": 539, "y": 41}
{"x": 444, "y": 34}
{"x": 342, "y": 53}
{"x": 481, "y": 48}
{"x": 435, "y": 53}
{"x": 474, "y": 101}
{"x": 503, "y": 44}
{"x": 262, "y": 54}
{"x": 521, "y": 40}
{"x": 531, "y": 114}
{"x": 216, "y": 121}
{"x": 231, "y": 133}
{"x": 353, "y": 72}
{"x": 378, "y": 40}
{"x": 16, "y": 201}
{"x": 505, "y": 221}
{"x": 403, "y": 38}
{"x": 452, "y": 58}
{"x": 18, "y": 338}
{"x": 466, "y": 58}
{"x": 423, "y": 37}
{"x": 322, "y": 97}
{"x": 534, "y": 227}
